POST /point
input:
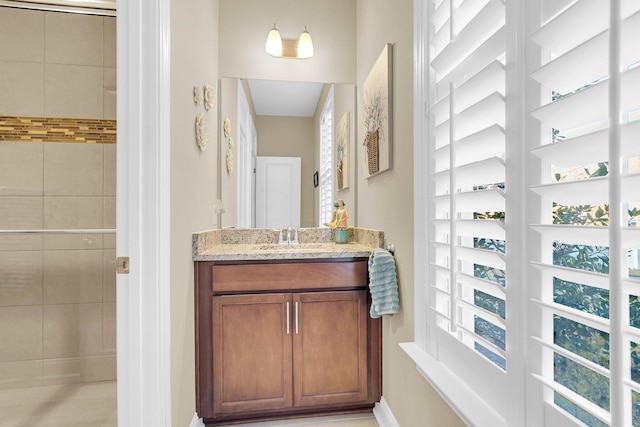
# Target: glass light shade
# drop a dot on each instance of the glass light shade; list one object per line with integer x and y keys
{"x": 274, "y": 42}
{"x": 305, "y": 45}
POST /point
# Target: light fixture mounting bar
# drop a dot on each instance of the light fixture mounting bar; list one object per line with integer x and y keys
{"x": 278, "y": 47}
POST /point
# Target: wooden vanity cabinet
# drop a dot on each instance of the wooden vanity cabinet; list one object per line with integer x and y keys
{"x": 330, "y": 348}
{"x": 251, "y": 353}
{"x": 279, "y": 348}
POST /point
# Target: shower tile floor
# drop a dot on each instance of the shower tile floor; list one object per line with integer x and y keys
{"x": 65, "y": 405}
{"x": 94, "y": 405}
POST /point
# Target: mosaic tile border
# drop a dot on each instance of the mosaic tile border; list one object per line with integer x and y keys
{"x": 57, "y": 129}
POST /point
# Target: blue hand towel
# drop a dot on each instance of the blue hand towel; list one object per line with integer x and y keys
{"x": 383, "y": 283}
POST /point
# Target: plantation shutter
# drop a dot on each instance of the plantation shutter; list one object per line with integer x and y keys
{"x": 326, "y": 156}
{"x": 584, "y": 249}
{"x": 466, "y": 174}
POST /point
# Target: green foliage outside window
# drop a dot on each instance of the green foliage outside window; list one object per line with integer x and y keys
{"x": 580, "y": 339}
{"x": 483, "y": 328}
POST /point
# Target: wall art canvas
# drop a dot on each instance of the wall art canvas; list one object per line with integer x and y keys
{"x": 342, "y": 152}
{"x": 377, "y": 113}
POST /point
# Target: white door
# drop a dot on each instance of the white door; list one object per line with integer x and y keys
{"x": 277, "y": 192}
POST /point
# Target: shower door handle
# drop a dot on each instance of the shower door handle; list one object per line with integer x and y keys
{"x": 122, "y": 265}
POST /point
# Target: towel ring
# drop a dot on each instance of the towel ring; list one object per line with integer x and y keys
{"x": 391, "y": 248}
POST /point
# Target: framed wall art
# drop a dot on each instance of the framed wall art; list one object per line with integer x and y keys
{"x": 377, "y": 113}
{"x": 342, "y": 152}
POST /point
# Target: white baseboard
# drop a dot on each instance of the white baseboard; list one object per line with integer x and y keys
{"x": 383, "y": 414}
{"x": 196, "y": 422}
{"x": 381, "y": 411}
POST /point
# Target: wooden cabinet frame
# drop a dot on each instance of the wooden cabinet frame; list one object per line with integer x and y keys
{"x": 314, "y": 287}
{"x": 256, "y": 334}
{"x": 330, "y": 348}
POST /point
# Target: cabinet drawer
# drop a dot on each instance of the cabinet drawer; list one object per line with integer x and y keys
{"x": 288, "y": 276}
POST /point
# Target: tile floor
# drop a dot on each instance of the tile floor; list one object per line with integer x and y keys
{"x": 355, "y": 420}
{"x": 94, "y": 405}
{"x": 89, "y": 404}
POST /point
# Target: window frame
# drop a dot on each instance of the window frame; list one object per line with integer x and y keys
{"x": 469, "y": 405}
{"x": 528, "y": 399}
{"x": 325, "y": 162}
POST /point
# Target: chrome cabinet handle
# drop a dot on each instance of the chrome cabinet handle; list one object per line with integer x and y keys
{"x": 296, "y": 317}
{"x": 288, "y": 319}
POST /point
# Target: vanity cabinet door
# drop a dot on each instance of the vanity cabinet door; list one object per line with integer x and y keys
{"x": 330, "y": 347}
{"x": 252, "y": 353}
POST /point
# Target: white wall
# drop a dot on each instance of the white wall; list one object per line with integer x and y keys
{"x": 194, "y": 61}
{"x": 228, "y": 184}
{"x": 385, "y": 201}
{"x": 246, "y": 23}
{"x": 291, "y": 137}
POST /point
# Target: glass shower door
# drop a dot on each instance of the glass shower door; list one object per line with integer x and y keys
{"x": 57, "y": 285}
{"x": 57, "y": 219}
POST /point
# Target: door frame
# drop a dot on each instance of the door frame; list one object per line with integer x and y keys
{"x": 142, "y": 216}
{"x": 245, "y": 170}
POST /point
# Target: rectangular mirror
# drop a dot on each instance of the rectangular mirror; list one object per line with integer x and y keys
{"x": 267, "y": 123}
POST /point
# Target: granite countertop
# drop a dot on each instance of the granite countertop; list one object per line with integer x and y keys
{"x": 262, "y": 244}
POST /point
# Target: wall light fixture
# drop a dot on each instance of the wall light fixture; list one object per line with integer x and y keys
{"x": 301, "y": 48}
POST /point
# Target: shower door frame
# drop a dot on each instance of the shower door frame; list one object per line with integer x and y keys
{"x": 142, "y": 217}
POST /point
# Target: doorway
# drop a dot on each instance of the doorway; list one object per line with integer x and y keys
{"x": 57, "y": 217}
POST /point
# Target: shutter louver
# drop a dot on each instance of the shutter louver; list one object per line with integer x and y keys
{"x": 530, "y": 205}
{"x": 589, "y": 186}
{"x": 326, "y": 162}
{"x": 467, "y": 175}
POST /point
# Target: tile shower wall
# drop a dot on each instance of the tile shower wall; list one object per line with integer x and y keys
{"x": 57, "y": 291}
{"x": 57, "y": 64}
{"x": 57, "y": 129}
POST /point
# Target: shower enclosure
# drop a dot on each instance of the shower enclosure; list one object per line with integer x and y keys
{"x": 57, "y": 219}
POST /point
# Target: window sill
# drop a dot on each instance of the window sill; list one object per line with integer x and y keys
{"x": 469, "y": 406}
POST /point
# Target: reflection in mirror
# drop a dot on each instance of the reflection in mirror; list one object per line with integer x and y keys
{"x": 276, "y": 129}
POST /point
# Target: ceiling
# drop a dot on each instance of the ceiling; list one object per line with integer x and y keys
{"x": 282, "y": 98}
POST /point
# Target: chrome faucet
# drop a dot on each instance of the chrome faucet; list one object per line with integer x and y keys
{"x": 291, "y": 236}
{"x": 295, "y": 236}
